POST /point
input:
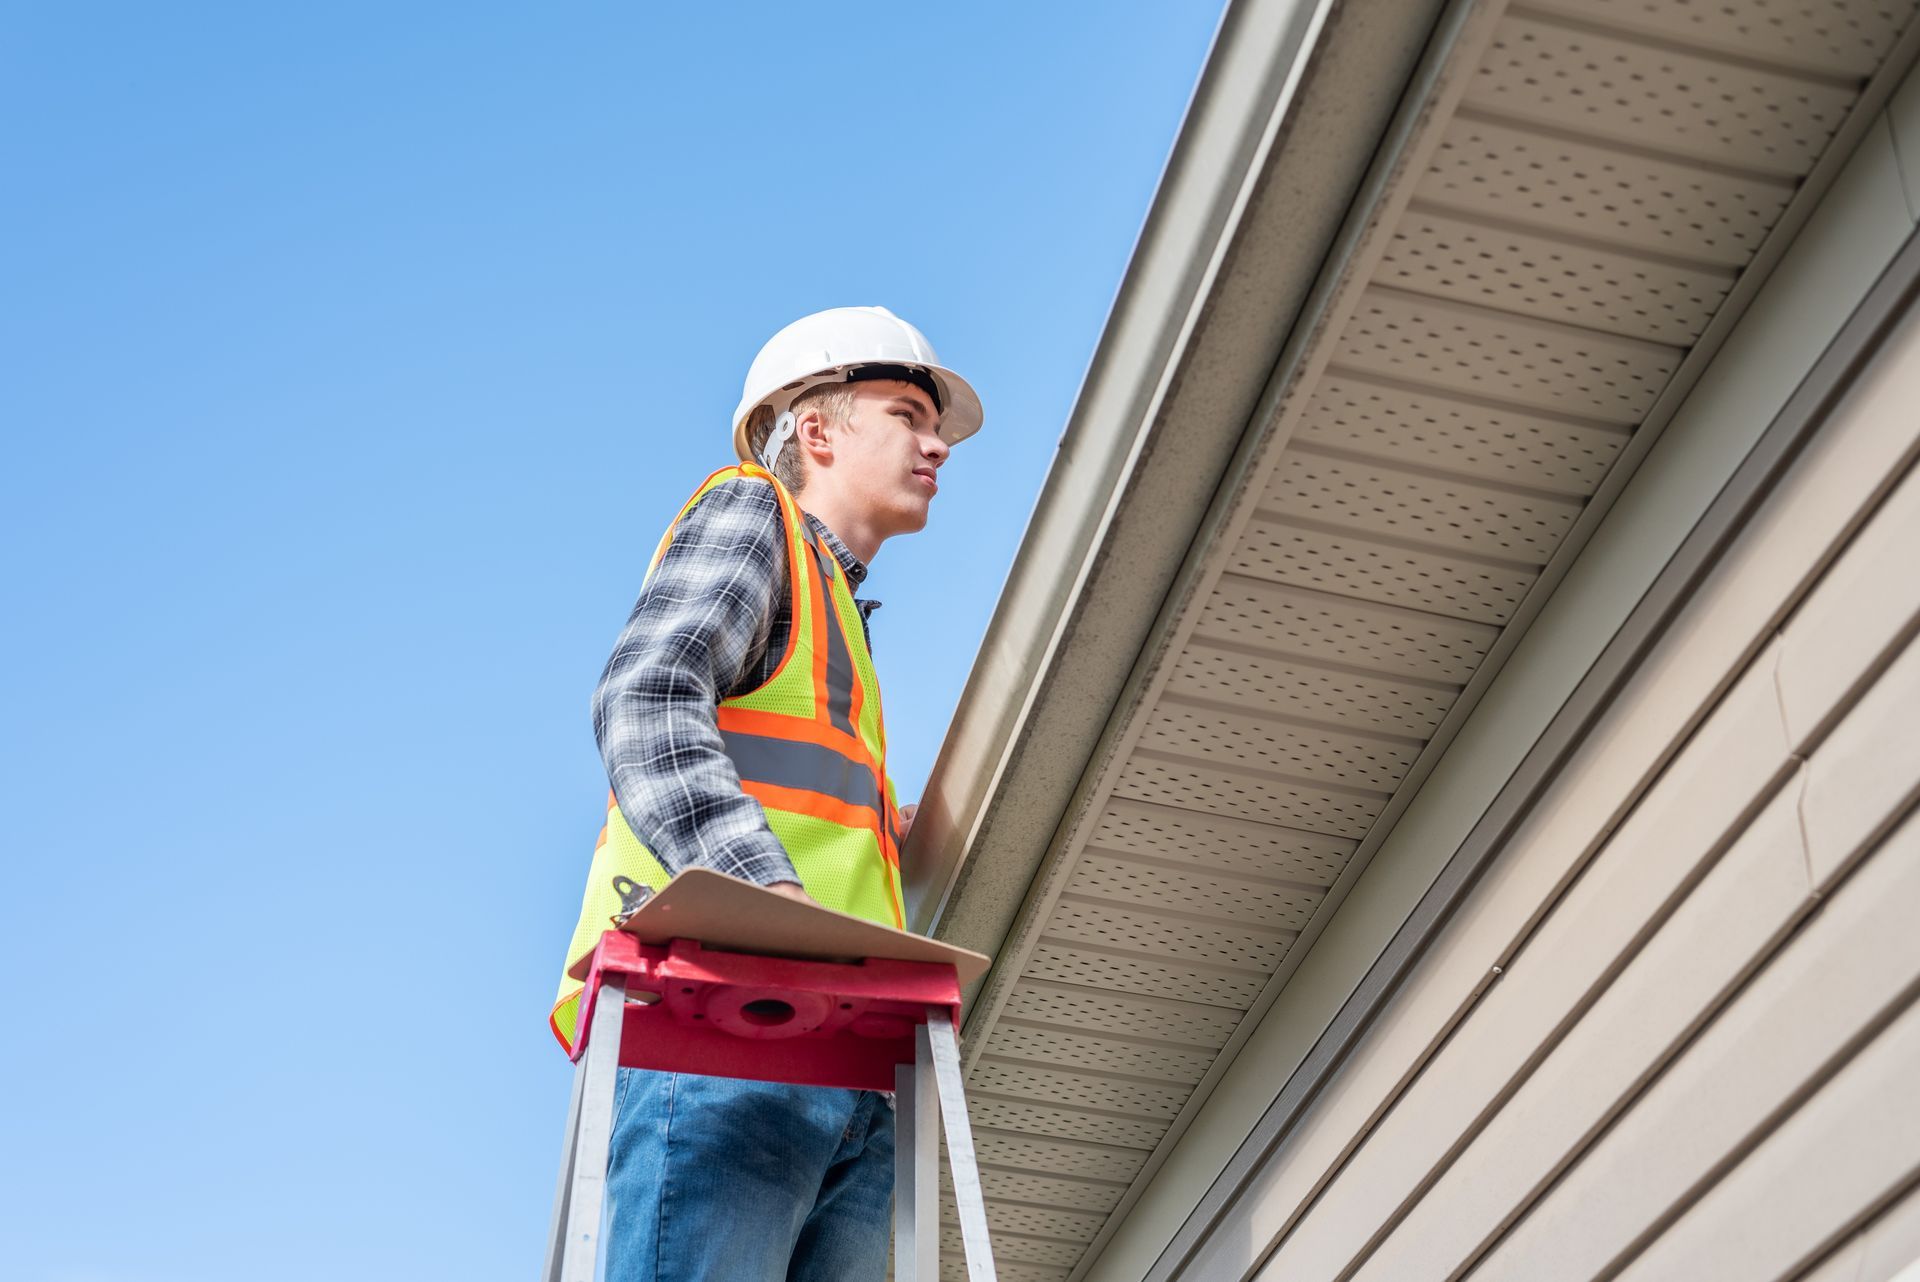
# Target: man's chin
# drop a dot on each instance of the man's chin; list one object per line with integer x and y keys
{"x": 914, "y": 518}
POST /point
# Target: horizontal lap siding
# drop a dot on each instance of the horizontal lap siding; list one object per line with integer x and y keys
{"x": 1881, "y": 1251}
{"x": 1492, "y": 1120}
{"x": 1748, "y": 897}
{"x": 1802, "y": 1016}
{"x": 1832, "y": 1158}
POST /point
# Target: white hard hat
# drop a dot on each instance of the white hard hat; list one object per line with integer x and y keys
{"x": 829, "y": 346}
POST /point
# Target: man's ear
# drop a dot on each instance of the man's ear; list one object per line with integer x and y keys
{"x": 812, "y": 434}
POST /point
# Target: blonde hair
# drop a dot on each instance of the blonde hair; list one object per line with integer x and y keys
{"x": 835, "y": 403}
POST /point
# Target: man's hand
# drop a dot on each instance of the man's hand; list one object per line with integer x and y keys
{"x": 792, "y": 890}
{"x": 907, "y": 812}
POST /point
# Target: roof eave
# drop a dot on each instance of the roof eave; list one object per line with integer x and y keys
{"x": 1283, "y": 126}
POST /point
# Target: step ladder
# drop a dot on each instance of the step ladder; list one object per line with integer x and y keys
{"x": 876, "y": 1025}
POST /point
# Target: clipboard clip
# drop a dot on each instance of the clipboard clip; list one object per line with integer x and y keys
{"x": 633, "y": 897}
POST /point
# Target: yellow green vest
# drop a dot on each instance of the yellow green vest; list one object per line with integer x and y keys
{"x": 810, "y": 746}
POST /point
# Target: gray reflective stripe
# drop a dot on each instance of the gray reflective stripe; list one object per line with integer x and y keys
{"x": 839, "y": 662}
{"x": 787, "y": 763}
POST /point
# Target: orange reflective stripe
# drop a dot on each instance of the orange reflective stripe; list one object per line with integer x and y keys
{"x": 801, "y": 802}
{"x": 841, "y": 678}
{"x": 816, "y": 592}
{"x": 792, "y": 523}
{"x": 773, "y": 725}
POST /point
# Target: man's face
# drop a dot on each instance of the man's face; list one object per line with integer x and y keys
{"x": 892, "y": 454}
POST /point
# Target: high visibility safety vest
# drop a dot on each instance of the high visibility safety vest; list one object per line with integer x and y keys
{"x": 809, "y": 745}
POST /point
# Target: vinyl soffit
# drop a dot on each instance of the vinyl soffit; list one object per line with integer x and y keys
{"x": 1578, "y": 221}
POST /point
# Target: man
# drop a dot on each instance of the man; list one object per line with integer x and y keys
{"x": 739, "y": 720}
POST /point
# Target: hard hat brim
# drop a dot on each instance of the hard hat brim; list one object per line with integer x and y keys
{"x": 960, "y": 415}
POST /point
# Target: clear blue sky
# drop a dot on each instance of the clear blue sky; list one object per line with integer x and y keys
{"x": 351, "y": 358}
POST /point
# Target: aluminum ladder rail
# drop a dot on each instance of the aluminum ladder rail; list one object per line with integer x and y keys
{"x": 875, "y": 1025}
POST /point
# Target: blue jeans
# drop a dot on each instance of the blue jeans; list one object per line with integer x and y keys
{"x": 733, "y": 1181}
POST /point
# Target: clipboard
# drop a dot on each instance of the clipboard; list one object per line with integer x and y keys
{"x": 732, "y": 915}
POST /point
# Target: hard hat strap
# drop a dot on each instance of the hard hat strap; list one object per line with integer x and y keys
{"x": 782, "y": 429}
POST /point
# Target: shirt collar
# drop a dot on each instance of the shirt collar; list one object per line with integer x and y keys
{"x": 855, "y": 568}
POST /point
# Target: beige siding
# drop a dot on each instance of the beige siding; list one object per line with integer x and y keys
{"x": 1678, "y": 1041}
{"x": 1835, "y": 1156}
{"x": 1887, "y": 1249}
{"x": 1462, "y": 501}
{"x": 1784, "y": 1036}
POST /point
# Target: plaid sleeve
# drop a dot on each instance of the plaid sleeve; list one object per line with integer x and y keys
{"x": 701, "y": 620}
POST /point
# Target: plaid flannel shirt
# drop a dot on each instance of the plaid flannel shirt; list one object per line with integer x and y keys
{"x": 711, "y": 622}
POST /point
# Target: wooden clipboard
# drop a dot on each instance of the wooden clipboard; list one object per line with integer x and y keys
{"x": 727, "y": 913}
